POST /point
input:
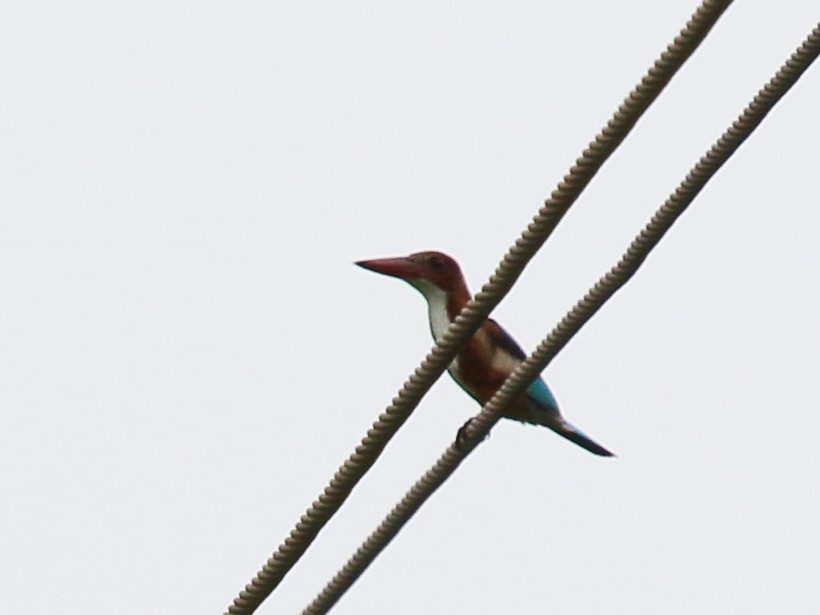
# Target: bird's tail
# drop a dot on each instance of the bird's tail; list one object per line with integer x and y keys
{"x": 573, "y": 434}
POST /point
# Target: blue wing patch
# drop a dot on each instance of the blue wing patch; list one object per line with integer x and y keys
{"x": 539, "y": 393}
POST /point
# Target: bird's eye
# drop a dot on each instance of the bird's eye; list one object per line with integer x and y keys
{"x": 436, "y": 263}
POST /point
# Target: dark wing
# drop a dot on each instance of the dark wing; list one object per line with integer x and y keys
{"x": 538, "y": 391}
{"x": 504, "y": 340}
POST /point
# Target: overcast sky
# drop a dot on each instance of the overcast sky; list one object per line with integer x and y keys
{"x": 187, "y": 353}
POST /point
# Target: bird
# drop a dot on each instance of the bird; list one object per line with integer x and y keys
{"x": 490, "y": 356}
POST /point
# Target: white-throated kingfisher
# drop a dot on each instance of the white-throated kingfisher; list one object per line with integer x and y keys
{"x": 491, "y": 355}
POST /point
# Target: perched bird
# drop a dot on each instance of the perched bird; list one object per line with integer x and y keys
{"x": 491, "y": 355}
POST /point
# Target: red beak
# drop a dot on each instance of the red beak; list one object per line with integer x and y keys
{"x": 401, "y": 267}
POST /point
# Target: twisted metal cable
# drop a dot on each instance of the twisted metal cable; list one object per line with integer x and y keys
{"x": 471, "y": 317}
{"x": 571, "y": 323}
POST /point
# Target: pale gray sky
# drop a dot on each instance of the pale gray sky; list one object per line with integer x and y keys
{"x": 187, "y": 352}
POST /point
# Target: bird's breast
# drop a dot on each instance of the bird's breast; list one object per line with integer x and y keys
{"x": 477, "y": 370}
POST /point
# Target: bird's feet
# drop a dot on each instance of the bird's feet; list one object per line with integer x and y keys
{"x": 462, "y": 436}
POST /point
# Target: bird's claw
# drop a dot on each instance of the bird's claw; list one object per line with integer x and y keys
{"x": 462, "y": 437}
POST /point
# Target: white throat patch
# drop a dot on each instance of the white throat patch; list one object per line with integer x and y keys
{"x": 437, "y": 306}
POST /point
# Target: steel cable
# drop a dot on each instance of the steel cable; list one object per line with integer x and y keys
{"x": 471, "y": 317}
{"x": 583, "y": 310}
